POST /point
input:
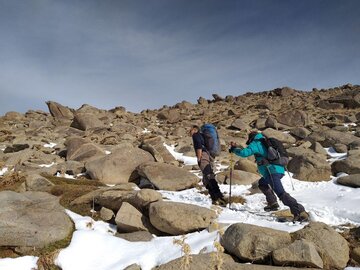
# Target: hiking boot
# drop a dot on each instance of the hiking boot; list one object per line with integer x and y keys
{"x": 272, "y": 207}
{"x": 220, "y": 202}
{"x": 302, "y": 217}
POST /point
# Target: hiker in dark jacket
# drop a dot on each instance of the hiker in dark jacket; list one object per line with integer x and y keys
{"x": 205, "y": 162}
{"x": 271, "y": 177}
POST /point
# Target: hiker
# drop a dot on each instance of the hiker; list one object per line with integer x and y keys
{"x": 271, "y": 176}
{"x": 205, "y": 162}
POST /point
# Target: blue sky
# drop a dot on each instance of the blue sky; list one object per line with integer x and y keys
{"x": 147, "y": 53}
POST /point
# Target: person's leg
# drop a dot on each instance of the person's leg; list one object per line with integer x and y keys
{"x": 269, "y": 195}
{"x": 285, "y": 197}
{"x": 209, "y": 177}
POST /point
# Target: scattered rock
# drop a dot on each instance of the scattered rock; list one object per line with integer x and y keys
{"x": 179, "y": 218}
{"x": 119, "y": 166}
{"x": 252, "y": 243}
{"x": 36, "y": 218}
{"x": 350, "y": 180}
{"x": 311, "y": 167}
{"x": 300, "y": 253}
{"x": 332, "y": 247}
{"x": 167, "y": 177}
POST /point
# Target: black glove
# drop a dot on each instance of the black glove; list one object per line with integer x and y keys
{"x": 232, "y": 148}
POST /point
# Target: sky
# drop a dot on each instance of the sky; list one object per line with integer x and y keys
{"x": 144, "y": 54}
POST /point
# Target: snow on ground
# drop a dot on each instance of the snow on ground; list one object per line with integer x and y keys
{"x": 94, "y": 246}
{"x": 50, "y": 145}
{"x": 22, "y": 263}
{"x": 3, "y": 171}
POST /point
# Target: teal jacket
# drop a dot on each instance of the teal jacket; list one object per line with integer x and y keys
{"x": 257, "y": 148}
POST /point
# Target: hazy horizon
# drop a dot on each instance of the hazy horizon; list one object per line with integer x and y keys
{"x": 145, "y": 54}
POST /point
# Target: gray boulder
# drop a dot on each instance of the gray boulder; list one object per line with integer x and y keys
{"x": 238, "y": 177}
{"x": 129, "y": 219}
{"x": 252, "y": 243}
{"x": 139, "y": 236}
{"x": 311, "y": 167}
{"x": 59, "y": 111}
{"x": 351, "y": 165}
{"x": 330, "y": 137}
{"x": 32, "y": 219}
{"x": 332, "y": 247}
{"x": 294, "y": 118}
{"x": 156, "y": 147}
{"x": 79, "y": 149}
{"x": 281, "y": 136}
{"x": 239, "y": 124}
{"x": 246, "y": 165}
{"x": 35, "y": 182}
{"x": 300, "y": 132}
{"x": 167, "y": 177}
{"x": 85, "y": 121}
{"x": 119, "y": 166}
{"x": 179, "y": 218}
{"x": 300, "y": 253}
{"x": 350, "y": 180}
{"x": 169, "y": 115}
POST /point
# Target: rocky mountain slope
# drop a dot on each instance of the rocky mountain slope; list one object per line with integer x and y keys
{"x": 120, "y": 160}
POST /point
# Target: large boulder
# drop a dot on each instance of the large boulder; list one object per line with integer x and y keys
{"x": 59, "y": 111}
{"x": 156, "y": 147}
{"x": 82, "y": 150}
{"x": 238, "y": 177}
{"x": 253, "y": 243}
{"x": 310, "y": 167}
{"x": 351, "y": 165}
{"x": 35, "y": 182}
{"x": 169, "y": 115}
{"x": 294, "y": 118}
{"x": 179, "y": 218}
{"x": 300, "y": 253}
{"x": 330, "y": 137}
{"x": 332, "y": 247}
{"x": 85, "y": 121}
{"x": 167, "y": 177}
{"x": 209, "y": 261}
{"x": 246, "y": 165}
{"x": 350, "y": 180}
{"x": 129, "y": 219}
{"x": 281, "y": 136}
{"x": 32, "y": 219}
{"x": 119, "y": 166}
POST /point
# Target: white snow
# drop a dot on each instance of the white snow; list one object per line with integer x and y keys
{"x": 94, "y": 246}
{"x": 65, "y": 175}
{"x": 47, "y": 165}
{"x": 50, "y": 145}
{"x": 3, "y": 171}
{"x": 107, "y": 152}
{"x": 22, "y": 263}
{"x": 180, "y": 157}
{"x": 145, "y": 131}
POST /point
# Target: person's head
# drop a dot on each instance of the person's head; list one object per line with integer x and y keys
{"x": 194, "y": 129}
{"x": 251, "y": 137}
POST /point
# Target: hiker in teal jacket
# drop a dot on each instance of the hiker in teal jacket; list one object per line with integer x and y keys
{"x": 270, "y": 181}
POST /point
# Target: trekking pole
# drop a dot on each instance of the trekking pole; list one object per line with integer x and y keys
{"x": 231, "y": 173}
{"x": 291, "y": 180}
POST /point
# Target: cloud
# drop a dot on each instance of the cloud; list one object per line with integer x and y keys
{"x": 144, "y": 55}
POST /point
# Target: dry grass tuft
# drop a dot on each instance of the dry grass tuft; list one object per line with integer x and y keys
{"x": 186, "y": 250}
{"x": 11, "y": 181}
{"x": 47, "y": 261}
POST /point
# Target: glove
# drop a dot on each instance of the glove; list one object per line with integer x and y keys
{"x": 232, "y": 148}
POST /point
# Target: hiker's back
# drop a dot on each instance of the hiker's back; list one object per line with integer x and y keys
{"x": 211, "y": 139}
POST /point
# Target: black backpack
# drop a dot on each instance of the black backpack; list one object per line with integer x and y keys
{"x": 276, "y": 152}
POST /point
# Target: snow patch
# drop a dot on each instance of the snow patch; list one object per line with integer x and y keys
{"x": 50, "y": 145}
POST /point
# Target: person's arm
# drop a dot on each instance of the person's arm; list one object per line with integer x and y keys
{"x": 242, "y": 152}
{"x": 198, "y": 154}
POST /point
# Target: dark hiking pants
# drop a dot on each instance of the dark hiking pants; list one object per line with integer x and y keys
{"x": 272, "y": 183}
{"x": 206, "y": 164}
